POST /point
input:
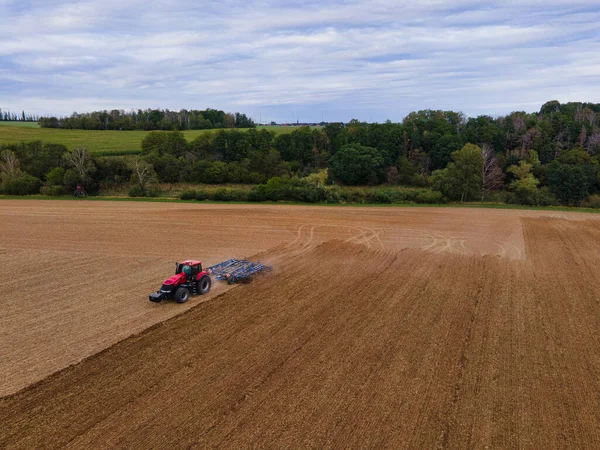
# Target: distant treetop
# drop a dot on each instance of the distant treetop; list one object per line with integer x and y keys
{"x": 149, "y": 119}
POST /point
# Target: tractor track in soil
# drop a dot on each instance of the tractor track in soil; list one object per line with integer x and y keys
{"x": 365, "y": 334}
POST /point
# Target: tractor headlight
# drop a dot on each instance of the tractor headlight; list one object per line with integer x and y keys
{"x": 166, "y": 288}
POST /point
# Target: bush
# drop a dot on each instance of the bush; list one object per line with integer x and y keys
{"x": 229, "y": 195}
{"x": 432, "y": 197}
{"x": 540, "y": 197}
{"x": 256, "y": 178}
{"x": 201, "y": 195}
{"x": 520, "y": 198}
{"x": 495, "y": 197}
{"x": 593, "y": 201}
{"x": 258, "y": 194}
{"x": 112, "y": 170}
{"x": 24, "y": 184}
{"x": 399, "y": 196}
{"x": 381, "y": 196}
{"x": 290, "y": 189}
{"x": 356, "y": 195}
{"x": 137, "y": 191}
{"x": 216, "y": 173}
{"x": 545, "y": 197}
{"x": 406, "y": 196}
{"x": 70, "y": 180}
{"x": 334, "y": 194}
{"x": 52, "y": 191}
{"x": 150, "y": 191}
{"x": 55, "y": 177}
{"x": 153, "y": 191}
{"x": 188, "y": 194}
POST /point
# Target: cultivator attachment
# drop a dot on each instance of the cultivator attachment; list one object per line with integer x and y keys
{"x": 234, "y": 270}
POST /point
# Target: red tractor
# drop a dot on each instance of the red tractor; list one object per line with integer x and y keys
{"x": 189, "y": 279}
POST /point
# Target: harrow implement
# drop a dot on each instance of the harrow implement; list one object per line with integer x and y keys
{"x": 234, "y": 270}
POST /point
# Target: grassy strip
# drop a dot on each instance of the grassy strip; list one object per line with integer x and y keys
{"x": 342, "y": 205}
{"x": 18, "y": 123}
{"x": 99, "y": 142}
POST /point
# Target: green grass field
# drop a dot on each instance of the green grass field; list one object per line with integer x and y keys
{"x": 19, "y": 124}
{"x": 103, "y": 142}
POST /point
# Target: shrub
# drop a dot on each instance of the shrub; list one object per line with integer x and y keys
{"x": 136, "y": 191}
{"x": 258, "y": 194}
{"x": 432, "y": 197}
{"x": 319, "y": 178}
{"x": 23, "y": 184}
{"x": 150, "y": 191}
{"x": 406, "y": 196}
{"x": 334, "y": 194}
{"x": 216, "y": 173}
{"x": 55, "y": 177}
{"x": 539, "y": 197}
{"x": 381, "y": 196}
{"x": 545, "y": 197}
{"x": 520, "y": 198}
{"x": 201, "y": 195}
{"x": 302, "y": 192}
{"x": 188, "y": 194}
{"x": 229, "y": 195}
{"x": 406, "y": 173}
{"x": 290, "y": 189}
{"x": 153, "y": 191}
{"x": 356, "y": 195}
{"x": 71, "y": 180}
{"x": 495, "y": 196}
{"x": 52, "y": 191}
{"x": 240, "y": 195}
{"x": 113, "y": 170}
{"x": 593, "y": 201}
{"x": 256, "y": 178}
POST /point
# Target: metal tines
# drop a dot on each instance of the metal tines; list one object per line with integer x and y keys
{"x": 234, "y": 270}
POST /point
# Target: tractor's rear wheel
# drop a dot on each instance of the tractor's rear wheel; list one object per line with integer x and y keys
{"x": 204, "y": 285}
{"x": 182, "y": 295}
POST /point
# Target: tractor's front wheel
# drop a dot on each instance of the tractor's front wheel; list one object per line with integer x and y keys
{"x": 204, "y": 285}
{"x": 182, "y": 295}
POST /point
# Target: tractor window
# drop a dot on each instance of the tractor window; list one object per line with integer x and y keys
{"x": 188, "y": 270}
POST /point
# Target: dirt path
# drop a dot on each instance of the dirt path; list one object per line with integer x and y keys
{"x": 348, "y": 345}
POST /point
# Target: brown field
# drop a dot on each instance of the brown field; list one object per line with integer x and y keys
{"x": 379, "y": 327}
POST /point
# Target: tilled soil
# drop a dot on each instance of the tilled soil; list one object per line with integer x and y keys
{"x": 349, "y": 346}
{"x": 75, "y": 276}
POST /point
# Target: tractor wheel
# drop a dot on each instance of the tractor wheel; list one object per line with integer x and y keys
{"x": 204, "y": 285}
{"x": 182, "y": 294}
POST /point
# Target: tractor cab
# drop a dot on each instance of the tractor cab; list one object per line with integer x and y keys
{"x": 191, "y": 269}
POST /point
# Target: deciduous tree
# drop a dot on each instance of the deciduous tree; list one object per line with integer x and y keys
{"x": 462, "y": 179}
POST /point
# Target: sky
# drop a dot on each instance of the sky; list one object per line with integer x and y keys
{"x": 304, "y": 61}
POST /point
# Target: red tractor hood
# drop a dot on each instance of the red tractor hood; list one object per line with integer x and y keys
{"x": 176, "y": 280}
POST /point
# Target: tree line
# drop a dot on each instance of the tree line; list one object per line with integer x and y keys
{"x": 543, "y": 158}
{"x": 11, "y": 116}
{"x": 149, "y": 119}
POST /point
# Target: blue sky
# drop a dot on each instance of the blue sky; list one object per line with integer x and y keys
{"x": 293, "y": 60}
